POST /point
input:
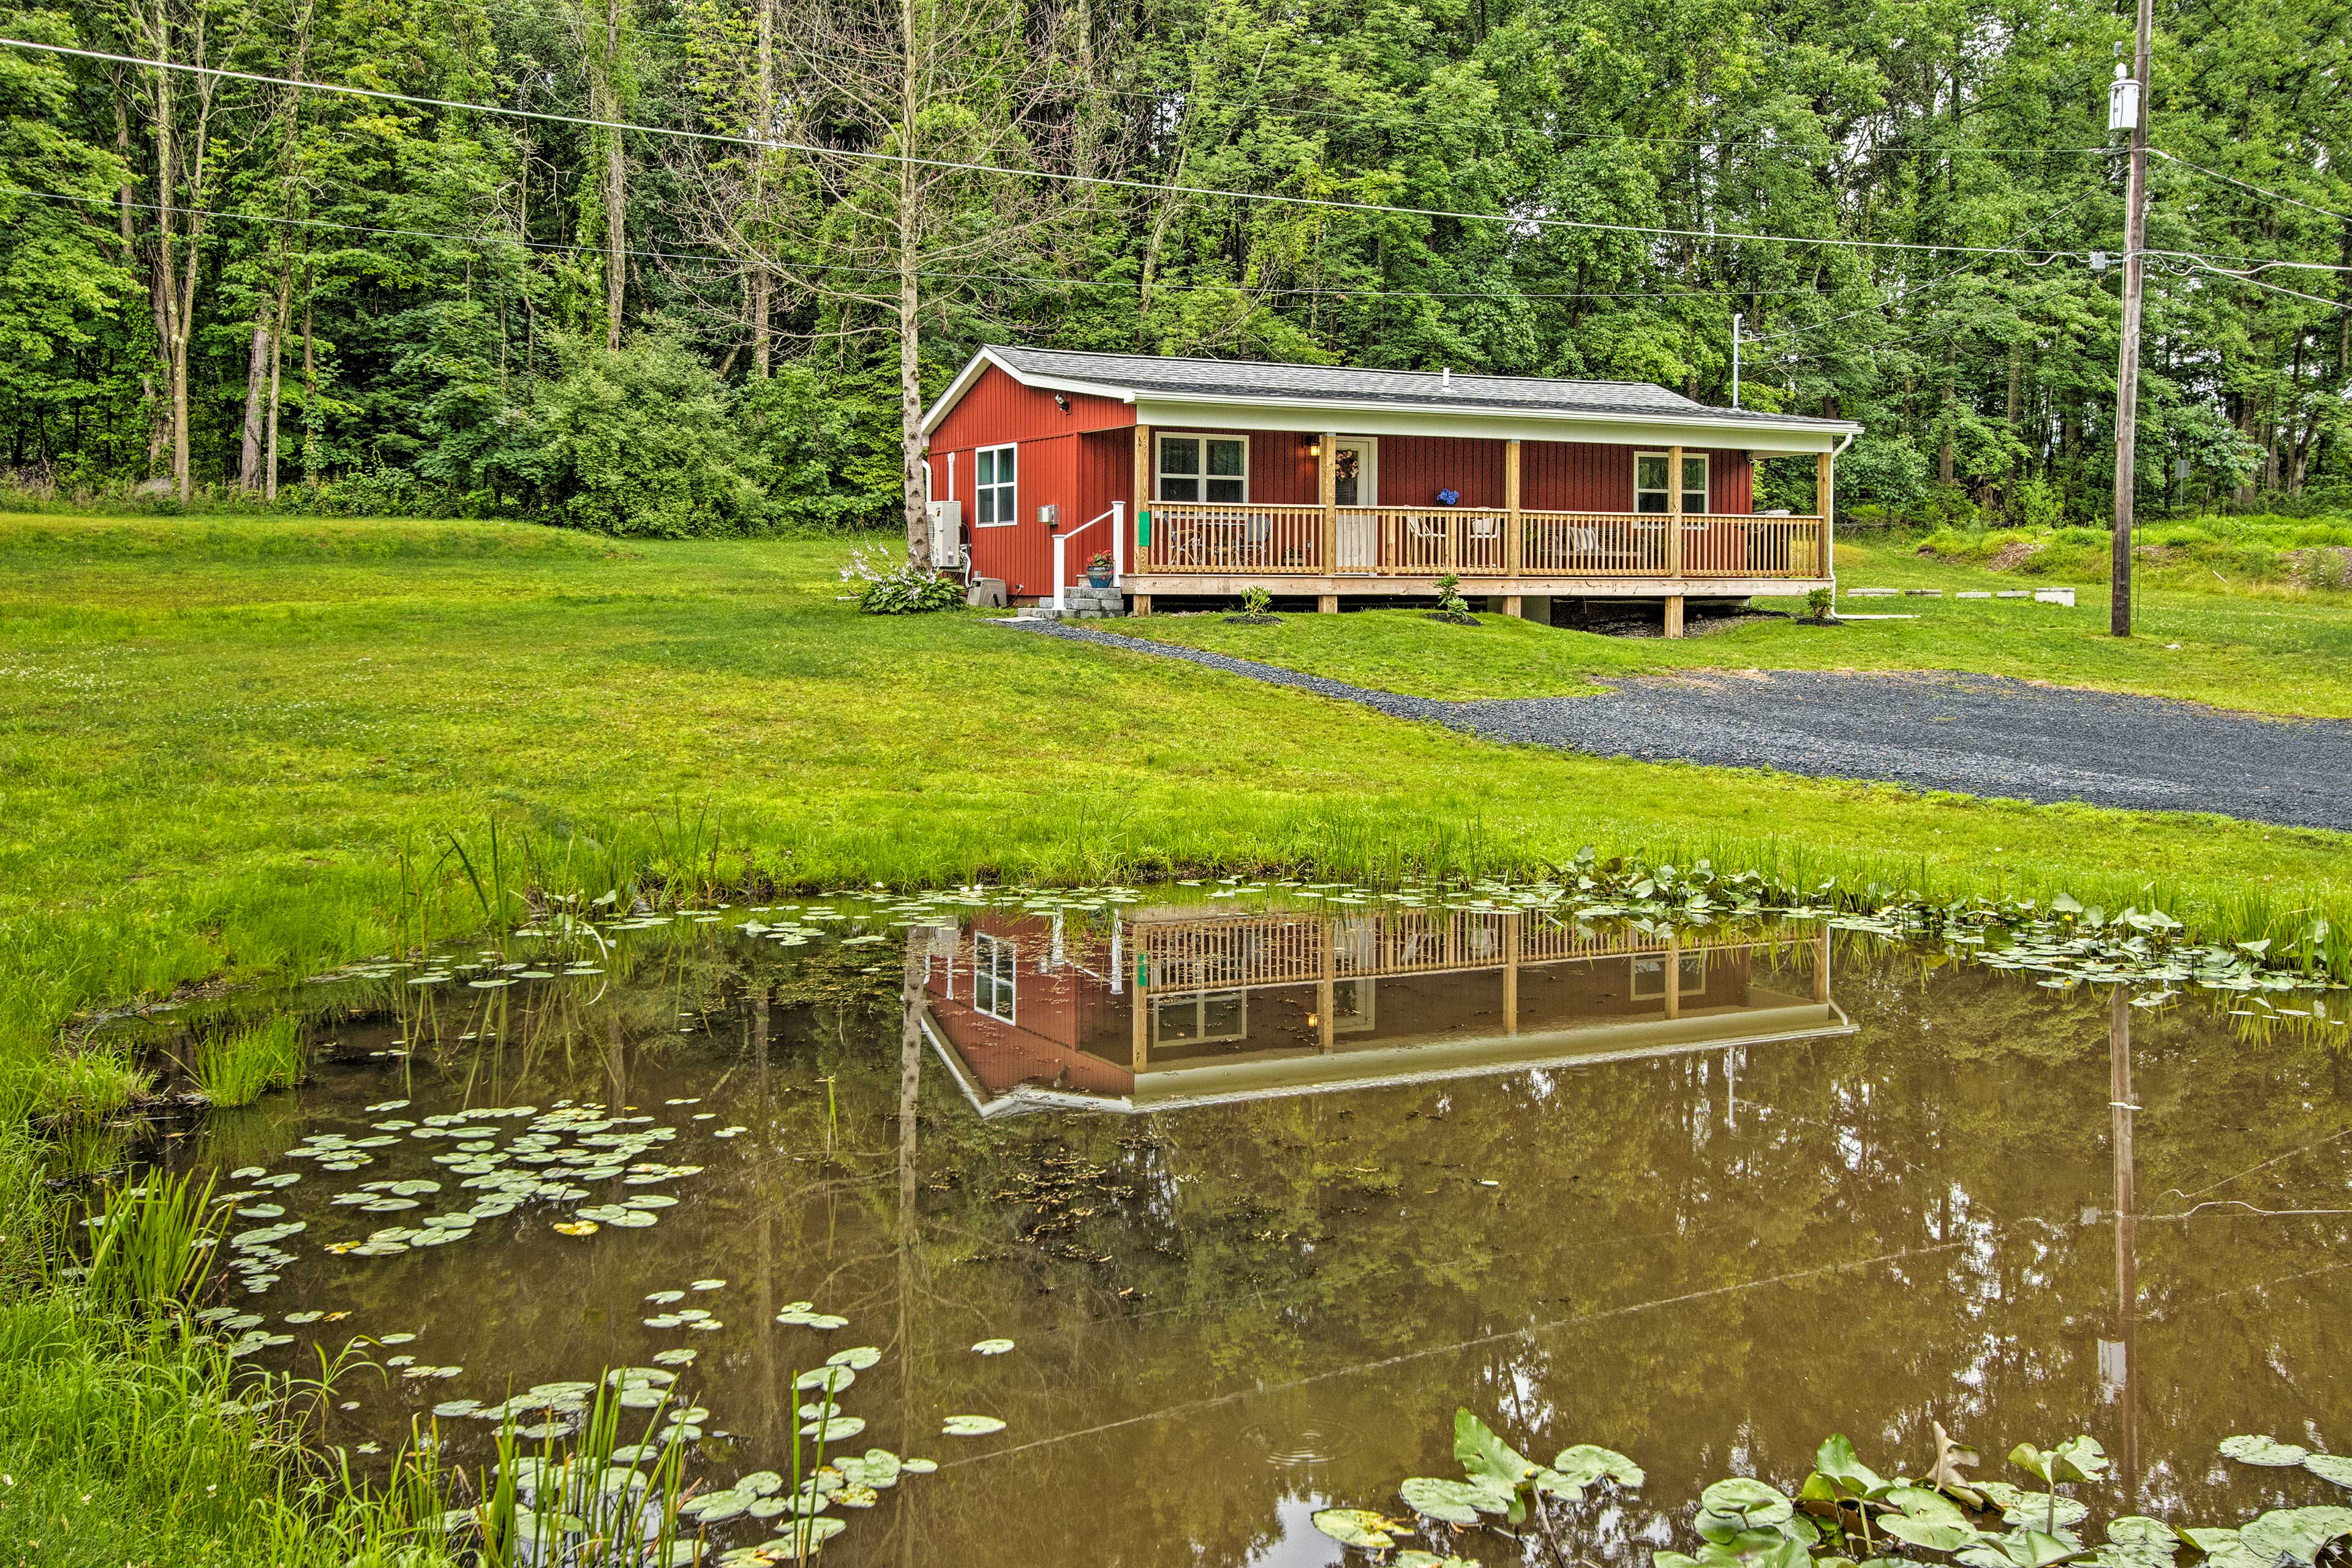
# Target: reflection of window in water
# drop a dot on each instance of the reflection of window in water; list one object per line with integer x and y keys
{"x": 1351, "y": 1004}
{"x": 995, "y": 965}
{"x": 1650, "y": 977}
{"x": 1203, "y": 1016}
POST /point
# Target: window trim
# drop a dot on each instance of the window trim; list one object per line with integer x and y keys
{"x": 1636, "y": 991}
{"x": 1705, "y": 485}
{"x": 1014, "y": 520}
{"x": 1160, "y": 439}
{"x": 1199, "y": 1000}
{"x": 983, "y": 962}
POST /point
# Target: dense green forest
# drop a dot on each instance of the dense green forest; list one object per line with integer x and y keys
{"x": 214, "y": 286}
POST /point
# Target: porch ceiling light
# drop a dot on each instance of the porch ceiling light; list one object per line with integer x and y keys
{"x": 1314, "y": 448}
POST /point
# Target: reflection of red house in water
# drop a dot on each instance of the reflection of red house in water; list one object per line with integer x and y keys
{"x": 1163, "y": 1006}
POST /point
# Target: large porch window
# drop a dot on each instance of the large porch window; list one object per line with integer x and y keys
{"x": 996, "y": 975}
{"x": 1650, "y": 490}
{"x": 1203, "y": 1018}
{"x": 1203, "y": 468}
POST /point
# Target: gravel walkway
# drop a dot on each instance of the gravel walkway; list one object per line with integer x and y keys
{"x": 1975, "y": 734}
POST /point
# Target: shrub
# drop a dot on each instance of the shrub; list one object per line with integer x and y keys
{"x": 644, "y": 441}
{"x": 892, "y": 587}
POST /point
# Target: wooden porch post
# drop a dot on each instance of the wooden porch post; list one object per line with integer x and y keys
{"x": 1673, "y": 610}
{"x": 1327, "y": 492}
{"x": 1140, "y": 1054}
{"x": 1142, "y": 492}
{"x": 1674, "y": 952}
{"x": 1511, "y": 967}
{"x": 1821, "y": 966}
{"x": 1824, "y": 502}
{"x": 1325, "y": 989}
{"x": 1512, "y": 563}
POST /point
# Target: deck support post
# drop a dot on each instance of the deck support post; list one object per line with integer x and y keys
{"x": 1327, "y": 496}
{"x": 1673, "y": 564}
{"x": 1516, "y": 559}
{"x": 1674, "y": 952}
{"x": 1327, "y": 604}
{"x": 1512, "y": 607}
{"x": 1139, "y": 605}
{"x": 1511, "y": 973}
{"x": 1140, "y": 1051}
{"x": 1825, "y": 495}
{"x": 1821, "y": 966}
{"x": 1326, "y": 987}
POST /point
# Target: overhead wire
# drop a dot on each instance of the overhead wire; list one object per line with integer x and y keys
{"x": 2250, "y": 186}
{"x": 1516, "y": 220}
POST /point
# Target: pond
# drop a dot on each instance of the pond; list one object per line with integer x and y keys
{"x": 1220, "y": 1200}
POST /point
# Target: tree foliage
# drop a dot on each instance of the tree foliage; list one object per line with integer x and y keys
{"x": 414, "y": 284}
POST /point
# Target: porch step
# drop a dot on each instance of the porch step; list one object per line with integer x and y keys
{"x": 1084, "y": 604}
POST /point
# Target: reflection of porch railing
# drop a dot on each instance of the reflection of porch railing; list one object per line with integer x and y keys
{"x": 1188, "y": 537}
{"x": 1233, "y": 951}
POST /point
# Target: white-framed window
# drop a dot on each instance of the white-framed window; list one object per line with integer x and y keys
{"x": 1650, "y": 481}
{"x": 1203, "y": 468}
{"x": 1650, "y": 977}
{"x": 994, "y": 490}
{"x": 1351, "y": 1004}
{"x": 996, "y": 976}
{"x": 1202, "y": 1017}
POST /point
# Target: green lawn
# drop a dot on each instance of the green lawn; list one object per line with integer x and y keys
{"x": 228, "y": 746}
{"x": 2266, "y": 651}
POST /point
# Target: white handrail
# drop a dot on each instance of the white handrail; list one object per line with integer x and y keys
{"x": 1061, "y": 554}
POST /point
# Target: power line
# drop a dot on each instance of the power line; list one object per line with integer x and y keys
{"x": 951, "y": 166}
{"x": 2249, "y": 185}
{"x": 1037, "y": 283}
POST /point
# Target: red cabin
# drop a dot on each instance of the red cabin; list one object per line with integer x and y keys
{"x": 1207, "y": 478}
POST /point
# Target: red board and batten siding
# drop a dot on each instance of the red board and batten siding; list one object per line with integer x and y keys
{"x": 1082, "y": 459}
{"x": 1062, "y": 463}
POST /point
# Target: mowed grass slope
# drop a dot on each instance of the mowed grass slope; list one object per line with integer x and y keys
{"x": 218, "y": 739}
{"x": 2265, "y": 651}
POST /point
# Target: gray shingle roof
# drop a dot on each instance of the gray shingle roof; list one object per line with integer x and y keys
{"x": 1247, "y": 381}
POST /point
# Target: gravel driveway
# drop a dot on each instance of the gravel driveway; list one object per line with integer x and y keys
{"x": 1977, "y": 735}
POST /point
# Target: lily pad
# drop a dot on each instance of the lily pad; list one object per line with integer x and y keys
{"x": 1359, "y": 1527}
{"x": 1589, "y": 1462}
{"x": 992, "y": 1347}
{"x": 1454, "y": 1503}
{"x": 1748, "y": 1504}
{"x": 856, "y": 1359}
{"x": 2258, "y": 1450}
{"x": 970, "y": 1426}
{"x": 2336, "y": 1467}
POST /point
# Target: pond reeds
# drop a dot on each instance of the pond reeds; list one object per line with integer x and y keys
{"x": 240, "y": 1066}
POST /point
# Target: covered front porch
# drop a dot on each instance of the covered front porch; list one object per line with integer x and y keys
{"x": 1216, "y": 517}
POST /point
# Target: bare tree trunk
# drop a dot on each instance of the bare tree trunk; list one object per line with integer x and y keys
{"x": 615, "y": 181}
{"x": 910, "y": 366}
{"x": 763, "y": 302}
{"x": 309, "y": 390}
{"x": 277, "y": 363}
{"x": 257, "y": 375}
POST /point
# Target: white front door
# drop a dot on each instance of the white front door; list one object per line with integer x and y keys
{"x": 1355, "y": 482}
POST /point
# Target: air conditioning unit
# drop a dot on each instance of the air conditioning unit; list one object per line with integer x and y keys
{"x": 947, "y": 533}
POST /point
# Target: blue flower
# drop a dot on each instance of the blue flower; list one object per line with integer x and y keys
{"x": 1447, "y": 498}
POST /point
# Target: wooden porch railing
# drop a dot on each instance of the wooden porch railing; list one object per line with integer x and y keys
{"x": 1187, "y": 537}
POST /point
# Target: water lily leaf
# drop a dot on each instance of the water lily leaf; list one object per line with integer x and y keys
{"x": 2019, "y": 1549}
{"x": 1486, "y": 1457}
{"x": 2256, "y": 1450}
{"x": 918, "y": 1467}
{"x": 576, "y": 1227}
{"x": 673, "y": 1358}
{"x": 834, "y": 1428}
{"x": 1359, "y": 1527}
{"x": 1930, "y": 1535}
{"x": 856, "y": 1359}
{"x": 1455, "y": 1502}
{"x": 454, "y": 1407}
{"x": 877, "y": 1468}
{"x": 1744, "y": 1504}
{"x": 1429, "y": 1559}
{"x": 832, "y": 1378}
{"x": 1589, "y": 1462}
{"x": 2336, "y": 1467}
{"x": 972, "y": 1425}
{"x": 708, "y": 1285}
{"x": 1837, "y": 1460}
{"x": 2295, "y": 1532}
{"x": 992, "y": 1347}
{"x": 664, "y": 1298}
{"x": 2136, "y": 1541}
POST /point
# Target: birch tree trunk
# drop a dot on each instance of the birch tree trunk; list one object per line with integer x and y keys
{"x": 911, "y": 325}
{"x": 256, "y": 372}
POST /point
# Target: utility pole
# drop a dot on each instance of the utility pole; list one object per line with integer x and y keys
{"x": 2128, "y": 108}
{"x": 1736, "y": 319}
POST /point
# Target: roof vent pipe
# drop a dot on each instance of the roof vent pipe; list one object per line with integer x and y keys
{"x": 1445, "y": 376}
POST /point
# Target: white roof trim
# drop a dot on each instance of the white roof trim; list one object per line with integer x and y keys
{"x": 1808, "y": 431}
